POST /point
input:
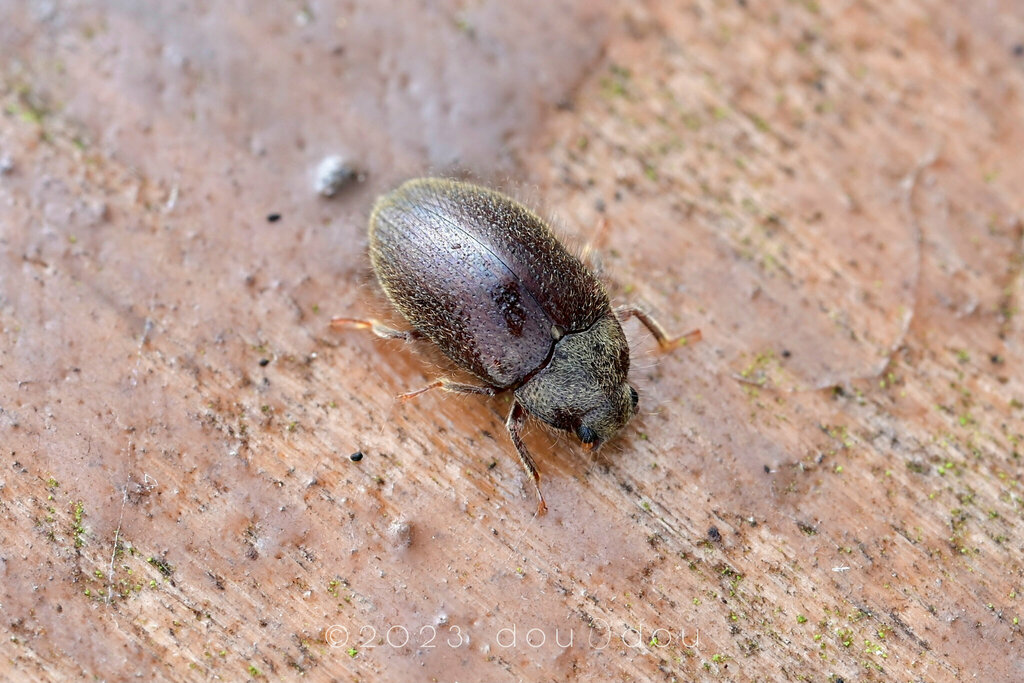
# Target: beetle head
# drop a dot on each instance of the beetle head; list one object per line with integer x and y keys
{"x": 583, "y": 387}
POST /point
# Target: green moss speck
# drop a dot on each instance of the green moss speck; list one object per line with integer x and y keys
{"x": 78, "y": 513}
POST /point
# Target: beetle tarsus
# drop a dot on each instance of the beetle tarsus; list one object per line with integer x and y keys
{"x": 691, "y": 337}
{"x": 514, "y": 423}
{"x": 664, "y": 341}
{"x": 589, "y": 253}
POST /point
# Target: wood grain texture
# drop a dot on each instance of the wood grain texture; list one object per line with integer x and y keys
{"x": 827, "y": 487}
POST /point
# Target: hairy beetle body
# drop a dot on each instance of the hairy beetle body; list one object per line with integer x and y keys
{"x": 487, "y": 281}
{"x": 481, "y": 276}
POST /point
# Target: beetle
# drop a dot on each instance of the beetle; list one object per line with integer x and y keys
{"x": 486, "y": 280}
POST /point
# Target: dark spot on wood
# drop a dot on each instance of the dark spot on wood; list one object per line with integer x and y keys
{"x": 273, "y": 217}
{"x": 161, "y": 565}
{"x": 807, "y": 529}
{"x": 218, "y": 581}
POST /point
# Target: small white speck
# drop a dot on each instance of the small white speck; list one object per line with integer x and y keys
{"x": 332, "y": 174}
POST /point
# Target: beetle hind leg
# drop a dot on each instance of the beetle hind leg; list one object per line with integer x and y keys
{"x": 377, "y": 327}
{"x": 514, "y": 423}
{"x": 448, "y": 385}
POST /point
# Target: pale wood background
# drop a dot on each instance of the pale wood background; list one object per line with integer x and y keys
{"x": 827, "y": 488}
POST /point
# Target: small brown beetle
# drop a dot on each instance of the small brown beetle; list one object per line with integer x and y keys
{"x": 486, "y": 280}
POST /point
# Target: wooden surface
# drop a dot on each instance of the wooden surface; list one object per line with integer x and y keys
{"x": 827, "y": 488}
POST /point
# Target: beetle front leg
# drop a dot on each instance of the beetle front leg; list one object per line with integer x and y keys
{"x": 451, "y": 386}
{"x": 514, "y": 423}
{"x": 666, "y": 344}
{"x": 376, "y": 327}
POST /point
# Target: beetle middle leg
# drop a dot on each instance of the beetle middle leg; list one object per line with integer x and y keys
{"x": 377, "y": 327}
{"x": 451, "y": 386}
{"x": 589, "y": 254}
{"x": 514, "y": 423}
{"x": 664, "y": 341}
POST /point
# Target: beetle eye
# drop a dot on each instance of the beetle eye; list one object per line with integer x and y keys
{"x": 634, "y": 397}
{"x": 586, "y": 434}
